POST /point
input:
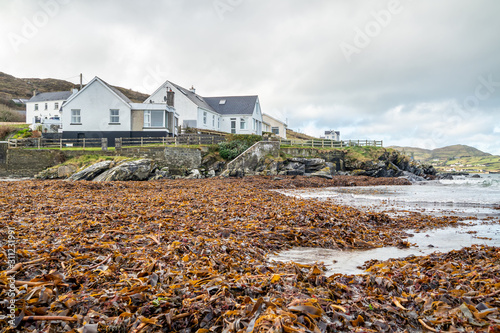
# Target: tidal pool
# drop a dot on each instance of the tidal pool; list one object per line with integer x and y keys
{"x": 427, "y": 242}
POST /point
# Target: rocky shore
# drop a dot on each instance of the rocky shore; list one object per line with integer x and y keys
{"x": 386, "y": 165}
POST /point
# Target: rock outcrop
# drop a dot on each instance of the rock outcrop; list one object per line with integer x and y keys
{"x": 132, "y": 170}
{"x": 92, "y": 171}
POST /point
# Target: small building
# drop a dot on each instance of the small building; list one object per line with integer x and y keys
{"x": 331, "y": 135}
{"x": 231, "y": 114}
{"x": 102, "y": 111}
{"x": 46, "y": 106}
{"x": 273, "y": 125}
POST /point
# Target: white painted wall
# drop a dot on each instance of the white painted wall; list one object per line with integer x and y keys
{"x": 95, "y": 102}
{"x": 42, "y": 113}
{"x": 275, "y": 123}
{"x": 186, "y": 109}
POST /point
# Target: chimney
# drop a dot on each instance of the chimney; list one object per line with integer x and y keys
{"x": 170, "y": 98}
{"x": 192, "y": 90}
{"x": 34, "y": 92}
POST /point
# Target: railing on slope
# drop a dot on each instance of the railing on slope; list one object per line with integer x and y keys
{"x": 320, "y": 143}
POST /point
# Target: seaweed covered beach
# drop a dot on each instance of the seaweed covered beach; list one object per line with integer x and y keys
{"x": 193, "y": 256}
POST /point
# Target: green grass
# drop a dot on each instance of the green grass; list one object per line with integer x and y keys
{"x": 486, "y": 163}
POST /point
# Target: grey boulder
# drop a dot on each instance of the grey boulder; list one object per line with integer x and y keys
{"x": 92, "y": 171}
{"x": 133, "y": 170}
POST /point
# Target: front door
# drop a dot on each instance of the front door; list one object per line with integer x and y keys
{"x": 233, "y": 125}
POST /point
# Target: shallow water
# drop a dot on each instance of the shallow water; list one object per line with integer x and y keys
{"x": 463, "y": 196}
{"x": 439, "y": 240}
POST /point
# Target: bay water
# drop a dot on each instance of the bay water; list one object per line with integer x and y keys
{"x": 477, "y": 197}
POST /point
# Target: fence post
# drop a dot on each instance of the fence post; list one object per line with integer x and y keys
{"x": 39, "y": 143}
{"x": 175, "y": 141}
{"x": 83, "y": 143}
{"x": 142, "y": 141}
{"x": 60, "y": 143}
{"x": 104, "y": 143}
{"x": 118, "y": 143}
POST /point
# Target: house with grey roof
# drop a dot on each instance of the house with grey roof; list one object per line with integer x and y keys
{"x": 46, "y": 106}
{"x": 102, "y": 111}
{"x": 231, "y": 114}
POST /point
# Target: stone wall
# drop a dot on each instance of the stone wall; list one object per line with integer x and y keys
{"x": 28, "y": 162}
{"x": 331, "y": 156}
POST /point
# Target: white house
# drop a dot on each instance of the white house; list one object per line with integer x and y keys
{"x": 331, "y": 135}
{"x": 231, "y": 114}
{"x": 273, "y": 125}
{"x": 102, "y": 111}
{"x": 193, "y": 110}
{"x": 46, "y": 106}
{"x": 239, "y": 114}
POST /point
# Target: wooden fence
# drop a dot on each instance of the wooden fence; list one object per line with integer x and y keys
{"x": 56, "y": 143}
{"x": 83, "y": 143}
{"x": 178, "y": 140}
{"x": 320, "y": 143}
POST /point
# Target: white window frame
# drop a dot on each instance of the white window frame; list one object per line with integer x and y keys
{"x": 147, "y": 120}
{"x": 243, "y": 124}
{"x": 114, "y": 116}
{"x": 56, "y": 106}
{"x": 218, "y": 122}
{"x": 36, "y": 107}
{"x": 76, "y": 116}
{"x": 213, "y": 120}
{"x": 277, "y": 130}
{"x": 46, "y": 106}
{"x": 204, "y": 117}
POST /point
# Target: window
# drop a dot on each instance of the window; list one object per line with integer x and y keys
{"x": 36, "y": 107}
{"x": 218, "y": 122}
{"x": 275, "y": 130}
{"x": 76, "y": 117}
{"x": 222, "y": 102}
{"x": 243, "y": 123}
{"x": 233, "y": 125}
{"x": 154, "y": 119}
{"x": 213, "y": 120}
{"x": 114, "y": 116}
{"x": 204, "y": 117}
{"x": 46, "y": 106}
{"x": 56, "y": 106}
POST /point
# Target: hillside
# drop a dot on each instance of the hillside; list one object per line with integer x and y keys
{"x": 12, "y": 87}
{"x": 443, "y": 154}
{"x": 454, "y": 158}
{"x": 292, "y": 135}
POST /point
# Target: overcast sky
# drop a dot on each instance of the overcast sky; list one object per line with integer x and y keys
{"x": 412, "y": 73}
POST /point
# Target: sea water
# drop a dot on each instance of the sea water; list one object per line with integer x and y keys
{"x": 465, "y": 196}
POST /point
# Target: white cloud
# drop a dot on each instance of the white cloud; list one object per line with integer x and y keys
{"x": 406, "y": 87}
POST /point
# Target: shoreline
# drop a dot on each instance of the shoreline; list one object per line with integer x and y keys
{"x": 198, "y": 249}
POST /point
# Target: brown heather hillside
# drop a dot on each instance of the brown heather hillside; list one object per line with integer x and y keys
{"x": 12, "y": 87}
